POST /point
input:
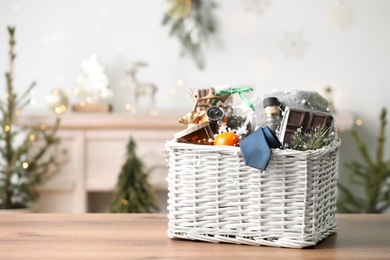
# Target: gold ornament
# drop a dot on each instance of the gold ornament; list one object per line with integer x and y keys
{"x": 177, "y": 9}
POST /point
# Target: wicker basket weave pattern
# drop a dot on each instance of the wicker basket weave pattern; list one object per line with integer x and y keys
{"x": 213, "y": 196}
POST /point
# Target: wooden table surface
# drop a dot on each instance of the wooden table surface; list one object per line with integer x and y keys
{"x": 129, "y": 236}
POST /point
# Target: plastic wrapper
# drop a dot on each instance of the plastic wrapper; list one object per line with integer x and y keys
{"x": 238, "y": 108}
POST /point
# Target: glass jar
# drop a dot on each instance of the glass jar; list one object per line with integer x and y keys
{"x": 198, "y": 134}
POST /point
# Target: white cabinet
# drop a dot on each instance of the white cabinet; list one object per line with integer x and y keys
{"x": 96, "y": 150}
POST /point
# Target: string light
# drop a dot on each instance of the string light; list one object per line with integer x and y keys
{"x": 42, "y": 126}
{"x": 358, "y": 122}
{"x": 25, "y": 165}
{"x": 7, "y": 128}
{"x": 31, "y": 137}
{"x": 128, "y": 107}
{"x": 154, "y": 112}
{"x": 59, "y": 110}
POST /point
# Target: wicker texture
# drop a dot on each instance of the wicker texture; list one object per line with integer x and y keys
{"x": 213, "y": 196}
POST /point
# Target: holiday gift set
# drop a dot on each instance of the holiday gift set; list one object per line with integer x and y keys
{"x": 256, "y": 169}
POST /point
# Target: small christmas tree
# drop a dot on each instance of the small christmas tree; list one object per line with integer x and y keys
{"x": 22, "y": 166}
{"x": 133, "y": 193}
{"x": 372, "y": 174}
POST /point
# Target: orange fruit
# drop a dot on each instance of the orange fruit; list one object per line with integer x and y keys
{"x": 227, "y": 138}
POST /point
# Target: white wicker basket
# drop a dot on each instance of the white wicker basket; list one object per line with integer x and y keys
{"x": 213, "y": 196}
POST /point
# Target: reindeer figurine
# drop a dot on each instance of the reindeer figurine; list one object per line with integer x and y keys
{"x": 138, "y": 89}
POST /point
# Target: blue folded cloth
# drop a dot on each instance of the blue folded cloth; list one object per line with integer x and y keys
{"x": 256, "y": 148}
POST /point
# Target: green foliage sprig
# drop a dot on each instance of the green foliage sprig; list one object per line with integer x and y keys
{"x": 373, "y": 174}
{"x": 195, "y": 29}
{"x": 319, "y": 137}
{"x": 22, "y": 165}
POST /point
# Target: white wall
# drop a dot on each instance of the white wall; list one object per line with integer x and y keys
{"x": 355, "y": 60}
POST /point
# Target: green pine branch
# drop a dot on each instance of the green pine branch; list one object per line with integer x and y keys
{"x": 373, "y": 174}
{"x": 22, "y": 169}
{"x": 319, "y": 137}
{"x": 204, "y": 27}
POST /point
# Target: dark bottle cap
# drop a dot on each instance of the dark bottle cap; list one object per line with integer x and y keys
{"x": 270, "y": 101}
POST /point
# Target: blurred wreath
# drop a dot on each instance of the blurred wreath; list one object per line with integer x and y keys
{"x": 193, "y": 23}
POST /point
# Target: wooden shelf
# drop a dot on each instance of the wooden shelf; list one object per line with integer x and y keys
{"x": 87, "y": 121}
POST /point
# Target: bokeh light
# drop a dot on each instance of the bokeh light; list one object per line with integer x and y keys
{"x": 128, "y": 107}
{"x": 179, "y": 83}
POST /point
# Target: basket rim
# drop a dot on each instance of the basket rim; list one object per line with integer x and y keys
{"x": 229, "y": 149}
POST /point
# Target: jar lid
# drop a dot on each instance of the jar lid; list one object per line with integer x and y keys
{"x": 191, "y": 130}
{"x": 271, "y": 101}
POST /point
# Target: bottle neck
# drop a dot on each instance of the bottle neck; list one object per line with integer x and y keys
{"x": 271, "y": 110}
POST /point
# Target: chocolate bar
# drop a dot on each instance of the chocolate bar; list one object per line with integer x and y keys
{"x": 305, "y": 120}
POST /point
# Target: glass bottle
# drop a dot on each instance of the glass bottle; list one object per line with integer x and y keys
{"x": 272, "y": 113}
{"x": 198, "y": 134}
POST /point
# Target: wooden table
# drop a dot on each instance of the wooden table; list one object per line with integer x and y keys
{"x": 126, "y": 236}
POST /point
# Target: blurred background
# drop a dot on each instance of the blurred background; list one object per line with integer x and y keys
{"x": 270, "y": 44}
